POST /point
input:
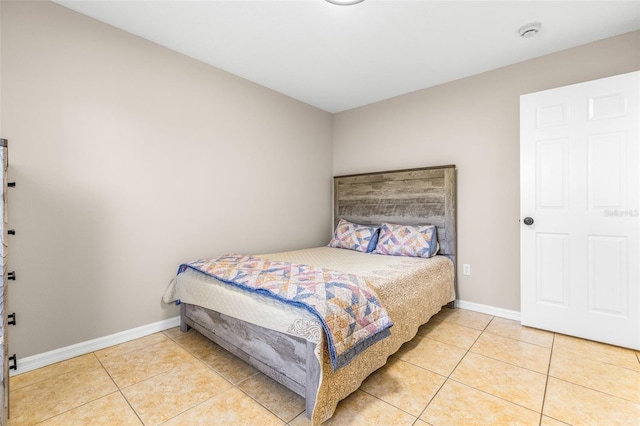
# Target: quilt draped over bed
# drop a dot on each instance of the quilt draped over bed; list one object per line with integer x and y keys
{"x": 348, "y": 309}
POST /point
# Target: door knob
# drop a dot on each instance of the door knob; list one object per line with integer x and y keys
{"x": 528, "y": 221}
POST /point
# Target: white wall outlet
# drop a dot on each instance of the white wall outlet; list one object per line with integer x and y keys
{"x": 466, "y": 269}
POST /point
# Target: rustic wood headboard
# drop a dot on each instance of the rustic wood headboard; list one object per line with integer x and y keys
{"x": 408, "y": 197}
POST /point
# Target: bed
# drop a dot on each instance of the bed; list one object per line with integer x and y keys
{"x": 288, "y": 344}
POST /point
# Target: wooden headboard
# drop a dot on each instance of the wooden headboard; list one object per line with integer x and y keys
{"x": 408, "y": 197}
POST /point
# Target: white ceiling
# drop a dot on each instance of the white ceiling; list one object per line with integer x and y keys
{"x": 342, "y": 57}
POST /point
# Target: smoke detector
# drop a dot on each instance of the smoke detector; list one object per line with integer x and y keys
{"x": 529, "y": 30}
{"x": 344, "y": 2}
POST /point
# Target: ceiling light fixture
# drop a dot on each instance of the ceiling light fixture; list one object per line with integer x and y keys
{"x": 344, "y": 2}
{"x": 529, "y": 30}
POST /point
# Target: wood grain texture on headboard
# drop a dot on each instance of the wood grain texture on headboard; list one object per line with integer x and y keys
{"x": 408, "y": 197}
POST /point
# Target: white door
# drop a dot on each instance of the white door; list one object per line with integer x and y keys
{"x": 579, "y": 184}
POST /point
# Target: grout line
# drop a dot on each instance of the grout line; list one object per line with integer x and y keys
{"x": 267, "y": 408}
{"x": 63, "y": 372}
{"x": 606, "y": 362}
{"x": 191, "y": 407}
{"x": 480, "y": 390}
{"x": 546, "y": 383}
{"x": 566, "y": 380}
{"x": 621, "y": 398}
{"x": 382, "y": 400}
{"x": 130, "y": 406}
{"x": 559, "y": 421}
{"x": 416, "y": 421}
{"x": 448, "y": 377}
{"x": 119, "y": 390}
{"x": 596, "y": 390}
{"x": 76, "y": 407}
{"x": 507, "y": 362}
{"x": 517, "y": 340}
{"x": 233, "y": 385}
{"x": 433, "y": 397}
{"x": 495, "y": 396}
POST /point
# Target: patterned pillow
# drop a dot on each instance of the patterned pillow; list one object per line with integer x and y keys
{"x": 354, "y": 237}
{"x": 407, "y": 240}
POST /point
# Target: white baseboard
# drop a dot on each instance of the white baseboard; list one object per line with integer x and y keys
{"x": 486, "y": 309}
{"x": 62, "y": 354}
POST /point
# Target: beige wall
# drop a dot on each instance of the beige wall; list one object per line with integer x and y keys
{"x": 474, "y": 124}
{"x": 130, "y": 159}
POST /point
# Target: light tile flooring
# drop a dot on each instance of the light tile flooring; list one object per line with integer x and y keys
{"x": 463, "y": 368}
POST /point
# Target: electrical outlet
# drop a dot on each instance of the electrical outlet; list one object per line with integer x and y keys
{"x": 466, "y": 269}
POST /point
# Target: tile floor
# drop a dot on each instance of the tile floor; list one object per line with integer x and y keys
{"x": 463, "y": 368}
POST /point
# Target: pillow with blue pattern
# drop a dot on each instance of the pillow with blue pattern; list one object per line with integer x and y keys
{"x": 352, "y": 236}
{"x": 407, "y": 240}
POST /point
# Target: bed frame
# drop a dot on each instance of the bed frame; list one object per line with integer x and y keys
{"x": 410, "y": 197}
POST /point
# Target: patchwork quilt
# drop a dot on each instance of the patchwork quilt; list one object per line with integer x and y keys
{"x": 350, "y": 313}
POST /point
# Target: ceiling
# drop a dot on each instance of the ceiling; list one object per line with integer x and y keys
{"x": 341, "y": 57}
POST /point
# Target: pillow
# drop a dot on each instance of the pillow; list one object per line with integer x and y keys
{"x": 354, "y": 237}
{"x": 407, "y": 240}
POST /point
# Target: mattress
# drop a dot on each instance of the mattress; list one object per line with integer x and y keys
{"x": 380, "y": 271}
